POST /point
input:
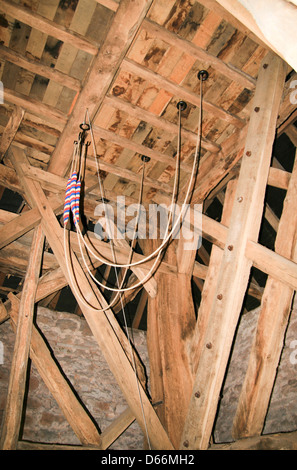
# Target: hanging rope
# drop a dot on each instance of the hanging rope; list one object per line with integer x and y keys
{"x": 72, "y": 206}
{"x": 74, "y": 200}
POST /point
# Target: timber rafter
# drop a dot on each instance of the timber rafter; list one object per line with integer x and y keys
{"x": 130, "y": 77}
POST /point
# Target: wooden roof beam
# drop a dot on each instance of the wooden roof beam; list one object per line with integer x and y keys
{"x": 37, "y": 67}
{"x": 35, "y": 107}
{"x": 182, "y": 93}
{"x": 122, "y": 31}
{"x": 279, "y": 441}
{"x": 10, "y": 130}
{"x": 214, "y": 5}
{"x": 271, "y": 327}
{"x": 274, "y": 27}
{"x": 17, "y": 380}
{"x": 159, "y": 122}
{"x": 209, "y": 288}
{"x": 114, "y": 138}
{"x": 235, "y": 266}
{"x": 29, "y": 17}
{"x": 58, "y": 385}
{"x": 111, "y": 339}
{"x": 229, "y": 71}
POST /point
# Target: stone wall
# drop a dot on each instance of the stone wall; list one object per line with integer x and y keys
{"x": 282, "y": 412}
{"x": 80, "y": 358}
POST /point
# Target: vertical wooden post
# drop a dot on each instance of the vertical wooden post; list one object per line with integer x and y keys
{"x": 11, "y": 129}
{"x": 111, "y": 339}
{"x": 235, "y": 268}
{"x": 17, "y": 380}
{"x": 272, "y": 323}
{"x": 210, "y": 283}
{"x": 170, "y": 325}
{"x": 51, "y": 374}
{"x": 140, "y": 309}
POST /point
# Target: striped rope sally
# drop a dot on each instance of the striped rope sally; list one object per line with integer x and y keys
{"x": 72, "y": 199}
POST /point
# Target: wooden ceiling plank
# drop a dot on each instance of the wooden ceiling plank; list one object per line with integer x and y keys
{"x": 11, "y": 129}
{"x": 117, "y": 139}
{"x": 131, "y": 175}
{"x": 29, "y": 17}
{"x": 26, "y": 141}
{"x": 39, "y": 68}
{"x": 70, "y": 60}
{"x": 235, "y": 267}
{"x": 35, "y": 107}
{"x": 31, "y": 42}
{"x": 159, "y": 122}
{"x": 110, "y": 4}
{"x": 122, "y": 31}
{"x": 50, "y": 372}
{"x": 252, "y": 17}
{"x": 233, "y": 20}
{"x": 271, "y": 327}
{"x": 109, "y": 336}
{"x": 182, "y": 93}
{"x": 188, "y": 47}
{"x": 18, "y": 373}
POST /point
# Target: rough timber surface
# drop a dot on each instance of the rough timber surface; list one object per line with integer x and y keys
{"x": 129, "y": 62}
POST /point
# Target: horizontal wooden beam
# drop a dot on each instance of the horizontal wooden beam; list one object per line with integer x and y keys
{"x": 18, "y": 226}
{"x": 34, "y": 106}
{"x": 200, "y": 54}
{"x": 122, "y": 31}
{"x": 36, "y": 21}
{"x": 279, "y": 441}
{"x": 273, "y": 317}
{"x": 263, "y": 258}
{"x": 159, "y": 122}
{"x": 181, "y": 92}
{"x": 138, "y": 148}
{"x": 234, "y": 270}
{"x": 266, "y": 23}
{"x": 39, "y": 68}
{"x": 24, "y": 140}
